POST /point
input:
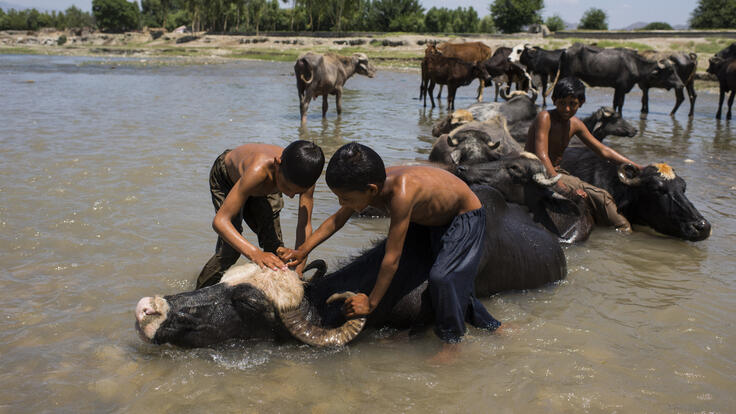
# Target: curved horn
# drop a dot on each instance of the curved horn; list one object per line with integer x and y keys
{"x": 505, "y": 93}
{"x": 542, "y": 179}
{"x": 557, "y": 77}
{"x": 296, "y": 322}
{"x": 660, "y": 64}
{"x": 320, "y": 266}
{"x": 533, "y": 95}
{"x": 452, "y": 141}
{"x": 493, "y": 145}
{"x": 307, "y": 81}
{"x": 623, "y": 169}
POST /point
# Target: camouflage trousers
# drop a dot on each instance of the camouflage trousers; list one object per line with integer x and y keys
{"x": 600, "y": 202}
{"x": 261, "y": 214}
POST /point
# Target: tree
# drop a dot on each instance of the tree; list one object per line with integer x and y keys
{"x": 555, "y": 23}
{"x": 77, "y": 18}
{"x": 657, "y": 26}
{"x": 593, "y": 19}
{"x": 486, "y": 25}
{"x": 116, "y": 15}
{"x": 397, "y": 15}
{"x": 511, "y": 15}
{"x": 714, "y": 14}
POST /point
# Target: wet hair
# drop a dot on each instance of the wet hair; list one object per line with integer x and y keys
{"x": 569, "y": 86}
{"x": 353, "y": 167}
{"x": 302, "y": 162}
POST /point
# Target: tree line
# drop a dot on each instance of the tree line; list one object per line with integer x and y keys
{"x": 507, "y": 16}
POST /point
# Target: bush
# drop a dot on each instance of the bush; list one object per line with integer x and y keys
{"x": 593, "y": 19}
{"x": 510, "y": 15}
{"x": 555, "y": 23}
{"x": 61, "y": 40}
{"x": 657, "y": 26}
{"x": 116, "y": 15}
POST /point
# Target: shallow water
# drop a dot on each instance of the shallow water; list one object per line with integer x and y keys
{"x": 104, "y": 199}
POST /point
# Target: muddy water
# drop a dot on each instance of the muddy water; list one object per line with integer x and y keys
{"x": 104, "y": 199}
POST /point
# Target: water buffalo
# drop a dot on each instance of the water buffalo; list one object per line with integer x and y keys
{"x": 449, "y": 71}
{"x": 618, "y": 68}
{"x": 538, "y": 61}
{"x": 326, "y": 75}
{"x": 249, "y": 304}
{"x": 501, "y": 70}
{"x": 475, "y": 142}
{"x": 685, "y": 65}
{"x": 605, "y": 121}
{"x": 654, "y": 197}
{"x": 522, "y": 179}
{"x": 725, "y": 70}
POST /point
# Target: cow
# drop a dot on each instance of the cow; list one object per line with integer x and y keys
{"x": 685, "y": 65}
{"x": 250, "y": 303}
{"x": 323, "y": 75}
{"x": 653, "y": 197}
{"x": 449, "y": 71}
{"x": 522, "y": 179}
{"x": 605, "y": 121}
{"x": 538, "y": 61}
{"x": 472, "y": 52}
{"x": 501, "y": 70}
{"x": 474, "y": 142}
{"x": 725, "y": 71}
{"x": 727, "y": 52}
{"x": 618, "y": 68}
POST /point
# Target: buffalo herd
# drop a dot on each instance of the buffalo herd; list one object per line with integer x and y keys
{"x": 527, "y": 221}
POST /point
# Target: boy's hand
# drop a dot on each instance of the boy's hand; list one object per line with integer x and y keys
{"x": 269, "y": 260}
{"x": 292, "y": 257}
{"x": 357, "y": 306}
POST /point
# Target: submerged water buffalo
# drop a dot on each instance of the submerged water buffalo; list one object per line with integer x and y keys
{"x": 605, "y": 121}
{"x": 249, "y": 305}
{"x": 475, "y": 142}
{"x": 654, "y": 197}
{"x": 323, "y": 75}
{"x": 522, "y": 180}
{"x": 618, "y": 68}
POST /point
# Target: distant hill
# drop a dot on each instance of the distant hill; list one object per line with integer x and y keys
{"x": 634, "y": 26}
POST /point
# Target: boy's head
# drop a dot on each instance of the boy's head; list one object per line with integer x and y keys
{"x": 301, "y": 164}
{"x": 568, "y": 96}
{"x": 355, "y": 169}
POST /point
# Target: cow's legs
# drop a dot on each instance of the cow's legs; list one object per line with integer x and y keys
{"x": 618, "y": 101}
{"x": 439, "y": 94}
{"x": 692, "y": 95}
{"x": 324, "y": 105}
{"x": 497, "y": 88}
{"x": 679, "y": 99}
{"x": 481, "y": 85}
{"x": 730, "y": 102}
{"x": 645, "y": 100}
{"x": 430, "y": 91}
{"x": 544, "y": 80}
{"x": 451, "y": 89}
{"x": 338, "y": 100}
{"x": 720, "y": 102}
{"x": 303, "y": 107}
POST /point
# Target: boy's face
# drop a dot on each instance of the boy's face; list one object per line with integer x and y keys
{"x": 355, "y": 200}
{"x": 567, "y": 106}
{"x": 288, "y": 188}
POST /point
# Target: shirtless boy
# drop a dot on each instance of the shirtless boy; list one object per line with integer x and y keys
{"x": 246, "y": 185}
{"x": 549, "y": 135}
{"x": 420, "y": 195}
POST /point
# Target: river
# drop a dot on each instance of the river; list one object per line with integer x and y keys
{"x": 104, "y": 199}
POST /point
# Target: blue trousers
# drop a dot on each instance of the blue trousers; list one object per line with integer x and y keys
{"x": 458, "y": 248}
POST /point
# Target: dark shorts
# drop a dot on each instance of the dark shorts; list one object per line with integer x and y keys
{"x": 458, "y": 248}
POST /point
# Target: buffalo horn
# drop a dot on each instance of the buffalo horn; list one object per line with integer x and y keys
{"x": 660, "y": 64}
{"x": 307, "y": 81}
{"x": 493, "y": 145}
{"x": 296, "y": 322}
{"x": 533, "y": 95}
{"x": 542, "y": 179}
{"x": 623, "y": 169}
{"x": 505, "y": 93}
{"x": 320, "y": 266}
{"x": 554, "y": 83}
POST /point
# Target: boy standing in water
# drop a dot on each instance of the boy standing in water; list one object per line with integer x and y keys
{"x": 422, "y": 195}
{"x": 549, "y": 135}
{"x": 246, "y": 185}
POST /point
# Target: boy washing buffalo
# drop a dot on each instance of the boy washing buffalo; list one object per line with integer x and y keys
{"x": 417, "y": 195}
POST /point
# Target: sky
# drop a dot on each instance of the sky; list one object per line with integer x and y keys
{"x": 674, "y": 12}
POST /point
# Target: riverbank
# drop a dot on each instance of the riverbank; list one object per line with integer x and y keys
{"x": 401, "y": 51}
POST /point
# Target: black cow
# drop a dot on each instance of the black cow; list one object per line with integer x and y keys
{"x": 685, "y": 65}
{"x": 617, "y": 68}
{"x": 501, "y": 70}
{"x": 654, "y": 197}
{"x": 538, "y": 61}
{"x": 605, "y": 121}
{"x": 518, "y": 254}
{"x": 725, "y": 71}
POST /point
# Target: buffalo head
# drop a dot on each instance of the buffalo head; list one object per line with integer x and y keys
{"x": 249, "y": 302}
{"x": 661, "y": 202}
{"x": 664, "y": 75}
{"x": 362, "y": 66}
{"x": 605, "y": 121}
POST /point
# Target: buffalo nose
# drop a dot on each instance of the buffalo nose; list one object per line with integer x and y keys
{"x": 144, "y": 308}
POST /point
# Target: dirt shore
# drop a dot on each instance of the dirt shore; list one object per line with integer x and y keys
{"x": 394, "y": 50}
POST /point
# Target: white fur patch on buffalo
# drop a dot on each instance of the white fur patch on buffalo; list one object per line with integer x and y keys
{"x": 151, "y": 312}
{"x": 665, "y": 171}
{"x": 283, "y": 288}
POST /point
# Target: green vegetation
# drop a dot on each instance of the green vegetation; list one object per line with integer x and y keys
{"x": 510, "y": 15}
{"x": 713, "y": 46}
{"x": 593, "y": 19}
{"x": 657, "y": 26}
{"x": 630, "y": 45}
{"x": 116, "y": 15}
{"x": 32, "y": 19}
{"x": 714, "y": 14}
{"x": 555, "y": 23}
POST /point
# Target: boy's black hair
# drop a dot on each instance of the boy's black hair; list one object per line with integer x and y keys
{"x": 353, "y": 167}
{"x": 569, "y": 86}
{"x": 302, "y": 162}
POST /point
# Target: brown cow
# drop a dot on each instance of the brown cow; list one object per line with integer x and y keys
{"x": 452, "y": 72}
{"x": 325, "y": 75}
{"x": 472, "y": 52}
{"x": 725, "y": 70}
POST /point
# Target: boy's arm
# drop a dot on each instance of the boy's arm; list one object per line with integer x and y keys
{"x": 325, "y": 230}
{"x": 222, "y": 223}
{"x": 304, "y": 222}
{"x": 541, "y": 127}
{"x": 603, "y": 151}
{"x": 362, "y": 305}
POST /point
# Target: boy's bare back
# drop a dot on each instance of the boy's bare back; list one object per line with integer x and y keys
{"x": 255, "y": 161}
{"x": 432, "y": 196}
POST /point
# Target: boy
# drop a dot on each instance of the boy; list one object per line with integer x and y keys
{"x": 420, "y": 195}
{"x": 549, "y": 135}
{"x": 246, "y": 185}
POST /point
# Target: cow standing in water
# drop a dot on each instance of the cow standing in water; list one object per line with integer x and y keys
{"x": 725, "y": 70}
{"x": 322, "y": 75}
